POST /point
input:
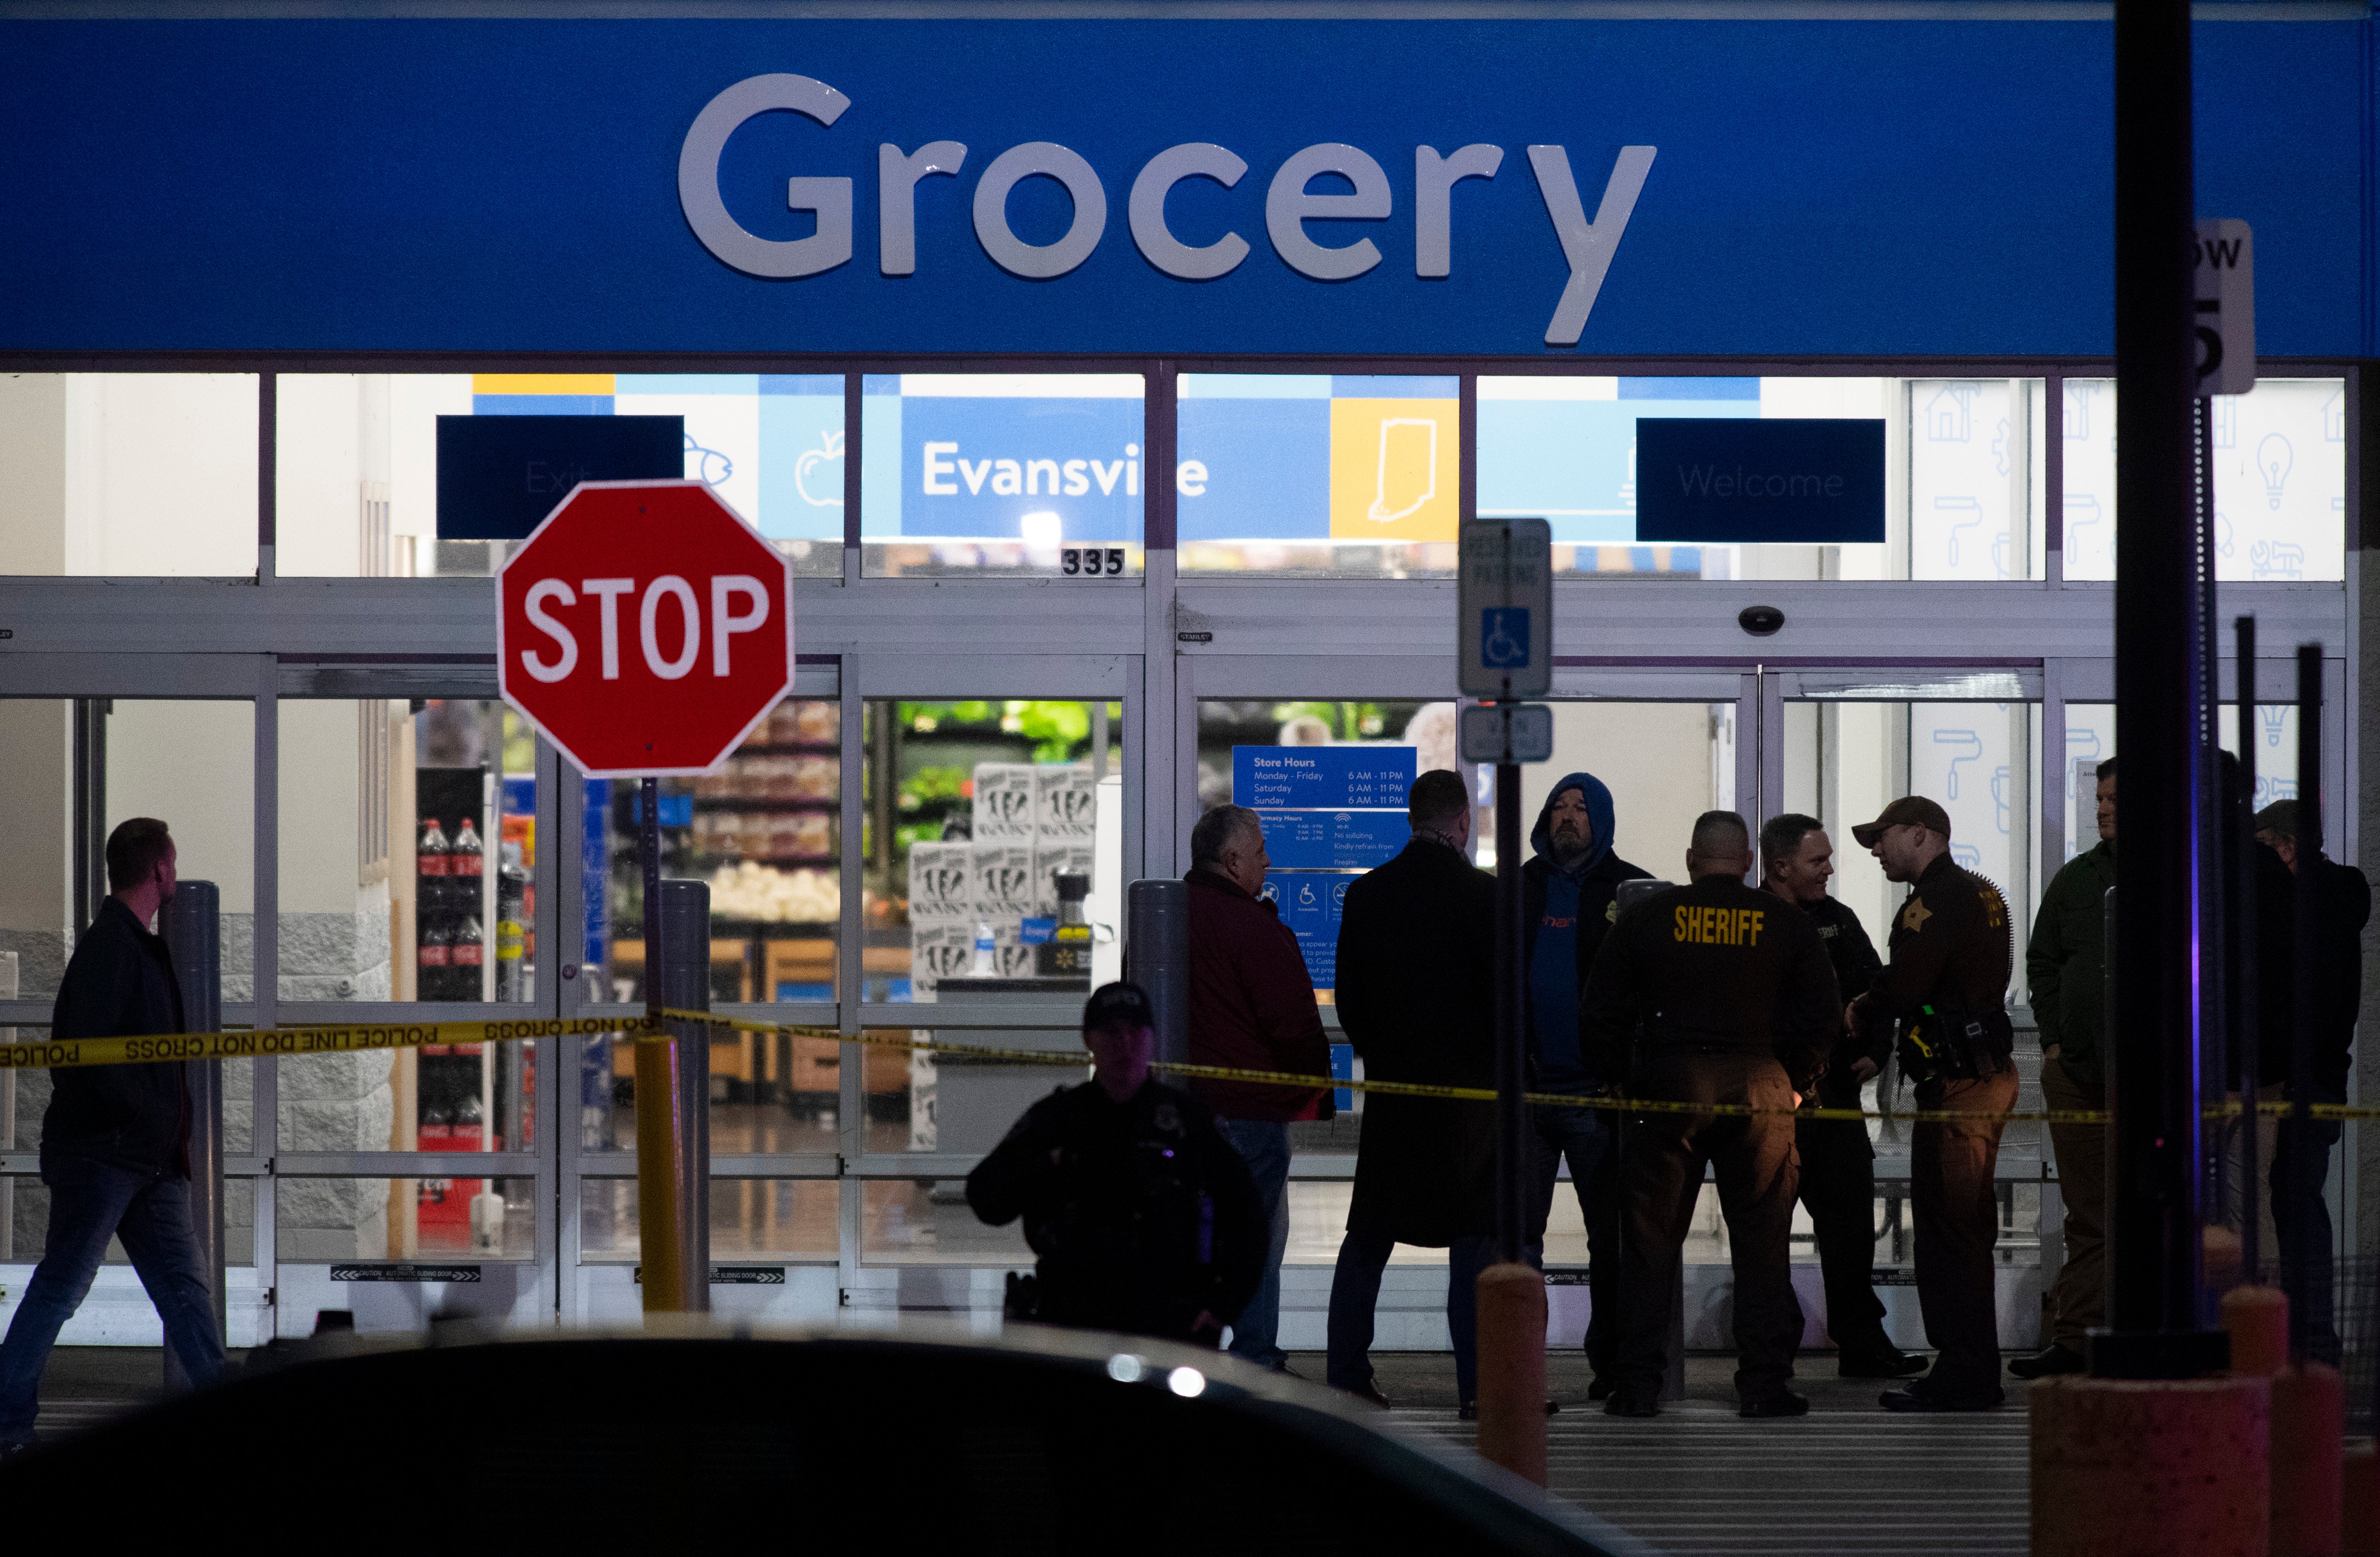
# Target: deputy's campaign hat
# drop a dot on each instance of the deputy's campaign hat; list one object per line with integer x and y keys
{"x": 1913, "y": 810}
{"x": 1117, "y": 1005}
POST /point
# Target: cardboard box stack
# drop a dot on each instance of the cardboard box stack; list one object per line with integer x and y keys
{"x": 1031, "y": 821}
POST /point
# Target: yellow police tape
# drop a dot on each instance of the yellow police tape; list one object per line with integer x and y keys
{"x": 351, "y": 1038}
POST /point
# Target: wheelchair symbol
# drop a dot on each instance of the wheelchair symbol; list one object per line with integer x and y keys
{"x": 1504, "y": 638}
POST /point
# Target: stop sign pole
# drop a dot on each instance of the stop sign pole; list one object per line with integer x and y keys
{"x": 644, "y": 628}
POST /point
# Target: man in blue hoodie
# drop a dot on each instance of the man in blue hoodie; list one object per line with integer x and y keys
{"x": 1568, "y": 899}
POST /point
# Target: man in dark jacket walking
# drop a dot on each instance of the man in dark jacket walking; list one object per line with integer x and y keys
{"x": 1251, "y": 1008}
{"x": 1568, "y": 903}
{"x": 115, "y": 1140}
{"x": 1416, "y": 995}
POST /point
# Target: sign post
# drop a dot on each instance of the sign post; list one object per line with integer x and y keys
{"x": 1504, "y": 643}
{"x": 644, "y": 628}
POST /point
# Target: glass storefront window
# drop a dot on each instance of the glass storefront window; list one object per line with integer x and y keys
{"x": 358, "y": 460}
{"x": 328, "y": 1221}
{"x": 1976, "y": 479}
{"x": 1315, "y": 474}
{"x": 750, "y": 1219}
{"x": 1563, "y": 448}
{"x": 975, "y": 810}
{"x": 2281, "y": 481}
{"x": 1846, "y": 758}
{"x": 128, "y": 474}
{"x": 409, "y": 848}
{"x": 765, "y": 834}
{"x": 2090, "y": 740}
{"x": 191, "y": 764}
{"x": 1033, "y": 473}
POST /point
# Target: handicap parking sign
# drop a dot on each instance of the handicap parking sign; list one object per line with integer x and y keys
{"x": 1504, "y": 638}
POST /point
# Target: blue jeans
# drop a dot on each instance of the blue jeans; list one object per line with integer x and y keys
{"x": 1355, "y": 1292}
{"x": 1590, "y": 1138}
{"x": 1264, "y": 1146}
{"x": 90, "y": 1202}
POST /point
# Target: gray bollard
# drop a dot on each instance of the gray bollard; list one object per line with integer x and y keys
{"x": 683, "y": 983}
{"x": 1157, "y": 957}
{"x": 192, "y": 927}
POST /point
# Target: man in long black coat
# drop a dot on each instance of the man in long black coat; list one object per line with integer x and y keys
{"x": 1416, "y": 995}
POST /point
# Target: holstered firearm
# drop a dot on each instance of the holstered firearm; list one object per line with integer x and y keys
{"x": 1956, "y": 1043}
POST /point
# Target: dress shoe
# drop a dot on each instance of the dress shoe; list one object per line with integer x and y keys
{"x": 1371, "y": 1395}
{"x": 1784, "y": 1403}
{"x": 1469, "y": 1410}
{"x": 2059, "y": 1359}
{"x": 1879, "y": 1365}
{"x": 1625, "y": 1402}
{"x": 1916, "y": 1399}
{"x": 1598, "y": 1389}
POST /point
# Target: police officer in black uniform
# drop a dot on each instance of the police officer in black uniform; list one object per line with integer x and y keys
{"x": 1837, "y": 1164}
{"x": 1144, "y": 1217}
{"x": 1736, "y": 1004}
{"x": 1944, "y": 991}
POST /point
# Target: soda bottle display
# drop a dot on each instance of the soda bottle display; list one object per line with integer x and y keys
{"x": 470, "y": 1125}
{"x": 432, "y": 957}
{"x": 512, "y": 927}
{"x": 466, "y": 954}
{"x": 467, "y": 860}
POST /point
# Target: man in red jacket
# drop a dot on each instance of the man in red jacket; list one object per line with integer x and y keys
{"x": 1252, "y": 1008}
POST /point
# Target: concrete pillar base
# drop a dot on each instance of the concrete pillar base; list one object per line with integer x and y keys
{"x": 1513, "y": 1368}
{"x": 2137, "y": 1468}
{"x": 2309, "y": 1417}
{"x": 2359, "y": 1501}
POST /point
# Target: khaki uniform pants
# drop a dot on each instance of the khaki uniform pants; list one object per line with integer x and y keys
{"x": 1958, "y": 1214}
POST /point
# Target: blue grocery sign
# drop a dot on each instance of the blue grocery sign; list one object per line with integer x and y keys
{"x": 1328, "y": 777}
{"x": 1333, "y": 839}
{"x": 949, "y": 185}
{"x": 1730, "y": 480}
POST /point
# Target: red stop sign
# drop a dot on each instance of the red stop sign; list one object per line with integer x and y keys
{"x": 645, "y": 628}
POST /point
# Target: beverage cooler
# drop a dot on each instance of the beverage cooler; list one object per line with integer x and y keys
{"x": 473, "y": 905}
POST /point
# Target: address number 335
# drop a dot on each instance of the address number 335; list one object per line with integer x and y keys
{"x": 1091, "y": 561}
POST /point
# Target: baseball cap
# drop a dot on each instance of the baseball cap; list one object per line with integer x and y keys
{"x": 1118, "y": 1004}
{"x": 1914, "y": 811}
{"x": 2281, "y": 817}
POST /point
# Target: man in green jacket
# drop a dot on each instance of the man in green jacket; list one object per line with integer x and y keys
{"x": 2066, "y": 963}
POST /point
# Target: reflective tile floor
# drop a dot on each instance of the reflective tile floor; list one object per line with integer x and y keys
{"x": 1848, "y": 1478}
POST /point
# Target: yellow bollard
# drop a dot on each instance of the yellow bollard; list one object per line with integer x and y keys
{"x": 2162, "y": 1467}
{"x": 2258, "y": 1321}
{"x": 661, "y": 1237}
{"x": 1513, "y": 1370}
